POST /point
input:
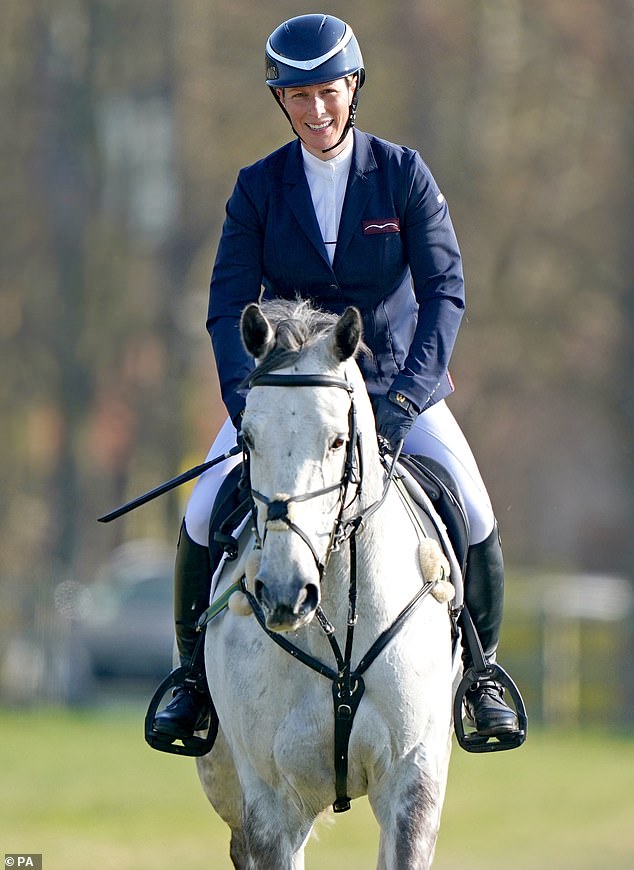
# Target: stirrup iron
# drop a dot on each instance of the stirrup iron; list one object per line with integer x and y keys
{"x": 482, "y": 670}
{"x": 474, "y": 742}
{"x": 194, "y": 746}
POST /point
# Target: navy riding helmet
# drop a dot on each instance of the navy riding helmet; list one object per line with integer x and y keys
{"x": 309, "y": 50}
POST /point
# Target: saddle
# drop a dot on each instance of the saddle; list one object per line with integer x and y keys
{"x": 231, "y": 506}
{"x": 426, "y": 474}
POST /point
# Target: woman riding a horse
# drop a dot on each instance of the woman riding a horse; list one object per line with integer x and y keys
{"x": 342, "y": 218}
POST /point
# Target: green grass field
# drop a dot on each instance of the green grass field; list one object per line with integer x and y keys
{"x": 84, "y": 790}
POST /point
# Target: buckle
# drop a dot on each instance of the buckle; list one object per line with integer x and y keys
{"x": 474, "y": 742}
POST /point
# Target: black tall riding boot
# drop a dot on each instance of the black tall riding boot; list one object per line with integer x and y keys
{"x": 484, "y": 597}
{"x": 188, "y": 710}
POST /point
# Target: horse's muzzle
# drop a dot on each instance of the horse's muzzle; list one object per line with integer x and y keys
{"x": 288, "y": 607}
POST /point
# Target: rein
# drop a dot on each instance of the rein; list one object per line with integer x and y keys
{"x": 347, "y": 685}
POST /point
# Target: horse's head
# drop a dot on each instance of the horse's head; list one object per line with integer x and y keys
{"x": 297, "y": 430}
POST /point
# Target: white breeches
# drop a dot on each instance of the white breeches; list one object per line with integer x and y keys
{"x": 201, "y": 501}
{"x": 435, "y": 433}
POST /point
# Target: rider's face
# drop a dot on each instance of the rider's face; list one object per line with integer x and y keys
{"x": 319, "y": 113}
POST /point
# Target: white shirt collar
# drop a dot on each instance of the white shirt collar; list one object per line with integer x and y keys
{"x": 334, "y": 165}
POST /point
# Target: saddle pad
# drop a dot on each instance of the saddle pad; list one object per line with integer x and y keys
{"x": 443, "y": 492}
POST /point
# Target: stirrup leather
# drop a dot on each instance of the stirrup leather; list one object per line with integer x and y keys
{"x": 194, "y": 746}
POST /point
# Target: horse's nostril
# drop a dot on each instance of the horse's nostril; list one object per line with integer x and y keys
{"x": 260, "y": 590}
{"x": 308, "y": 599}
{"x": 300, "y": 605}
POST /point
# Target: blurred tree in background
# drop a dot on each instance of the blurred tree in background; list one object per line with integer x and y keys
{"x": 124, "y": 125}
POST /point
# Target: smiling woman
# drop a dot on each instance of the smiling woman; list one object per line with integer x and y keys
{"x": 316, "y": 50}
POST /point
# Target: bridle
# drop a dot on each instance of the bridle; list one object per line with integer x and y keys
{"x": 347, "y": 685}
{"x": 277, "y": 508}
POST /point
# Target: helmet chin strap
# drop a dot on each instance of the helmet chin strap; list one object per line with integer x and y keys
{"x": 352, "y": 117}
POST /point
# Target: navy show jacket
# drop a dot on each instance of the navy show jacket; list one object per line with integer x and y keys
{"x": 397, "y": 260}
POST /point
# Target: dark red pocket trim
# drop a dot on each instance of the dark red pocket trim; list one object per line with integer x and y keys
{"x": 381, "y": 225}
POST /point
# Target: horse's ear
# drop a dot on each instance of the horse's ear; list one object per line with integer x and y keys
{"x": 346, "y": 335}
{"x": 257, "y": 335}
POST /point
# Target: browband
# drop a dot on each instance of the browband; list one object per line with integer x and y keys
{"x": 273, "y": 380}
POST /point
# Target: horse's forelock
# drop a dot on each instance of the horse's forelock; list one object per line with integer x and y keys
{"x": 298, "y": 325}
{"x": 291, "y": 334}
{"x": 308, "y": 321}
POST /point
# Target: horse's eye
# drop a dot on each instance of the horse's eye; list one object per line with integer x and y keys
{"x": 337, "y": 443}
{"x": 247, "y": 440}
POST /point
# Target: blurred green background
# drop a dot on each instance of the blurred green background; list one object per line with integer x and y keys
{"x": 124, "y": 125}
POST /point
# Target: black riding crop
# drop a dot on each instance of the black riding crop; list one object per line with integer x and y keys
{"x": 196, "y": 471}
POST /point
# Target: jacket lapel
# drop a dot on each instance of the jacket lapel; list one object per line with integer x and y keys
{"x": 297, "y": 193}
{"x": 357, "y": 193}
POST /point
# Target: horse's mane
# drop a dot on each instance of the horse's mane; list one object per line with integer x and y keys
{"x": 298, "y": 325}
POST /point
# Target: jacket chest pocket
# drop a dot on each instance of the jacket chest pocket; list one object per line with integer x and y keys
{"x": 377, "y": 256}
